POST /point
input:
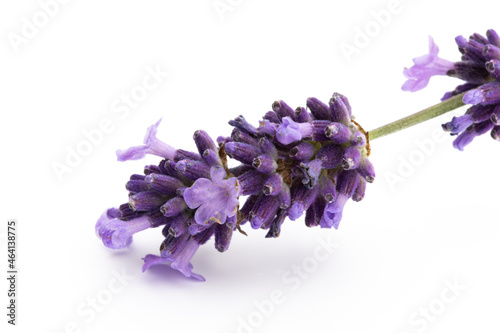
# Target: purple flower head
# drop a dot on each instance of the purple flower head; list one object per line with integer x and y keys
{"x": 117, "y": 234}
{"x": 295, "y": 171}
{"x": 479, "y": 67}
{"x": 214, "y": 199}
{"x": 151, "y": 146}
{"x": 424, "y": 68}
{"x": 295, "y": 162}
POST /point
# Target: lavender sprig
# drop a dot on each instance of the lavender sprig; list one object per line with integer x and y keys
{"x": 304, "y": 161}
{"x": 295, "y": 162}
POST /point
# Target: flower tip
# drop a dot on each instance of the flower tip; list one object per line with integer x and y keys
{"x": 276, "y": 106}
{"x": 458, "y": 146}
{"x": 495, "y": 134}
{"x": 198, "y": 277}
{"x": 463, "y": 140}
{"x": 433, "y": 48}
{"x": 495, "y": 119}
{"x": 461, "y": 41}
{"x": 296, "y": 210}
{"x": 369, "y": 179}
{"x": 221, "y": 248}
{"x": 150, "y": 136}
{"x": 446, "y": 127}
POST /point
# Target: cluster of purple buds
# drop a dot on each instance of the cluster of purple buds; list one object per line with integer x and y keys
{"x": 299, "y": 161}
{"x": 479, "y": 67}
{"x": 294, "y": 162}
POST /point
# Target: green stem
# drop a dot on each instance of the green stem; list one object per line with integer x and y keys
{"x": 436, "y": 110}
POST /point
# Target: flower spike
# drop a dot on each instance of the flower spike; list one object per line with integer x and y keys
{"x": 295, "y": 163}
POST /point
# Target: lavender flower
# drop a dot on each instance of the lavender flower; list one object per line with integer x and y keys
{"x": 479, "y": 67}
{"x": 151, "y": 146}
{"x": 294, "y": 162}
{"x": 424, "y": 68}
{"x": 117, "y": 234}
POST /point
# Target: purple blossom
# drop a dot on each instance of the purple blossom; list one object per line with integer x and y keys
{"x": 180, "y": 260}
{"x": 309, "y": 152}
{"x": 424, "y": 68}
{"x": 117, "y": 234}
{"x": 289, "y": 131}
{"x": 151, "y": 146}
{"x": 214, "y": 199}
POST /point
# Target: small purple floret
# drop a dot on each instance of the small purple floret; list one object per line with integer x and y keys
{"x": 215, "y": 199}
{"x": 117, "y": 234}
{"x": 290, "y": 131}
{"x": 424, "y": 68}
{"x": 151, "y": 146}
{"x": 180, "y": 260}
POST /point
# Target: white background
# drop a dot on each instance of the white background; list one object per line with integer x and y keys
{"x": 395, "y": 253}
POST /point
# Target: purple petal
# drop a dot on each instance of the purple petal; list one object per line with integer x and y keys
{"x": 217, "y": 174}
{"x": 267, "y": 127}
{"x": 216, "y": 199}
{"x": 151, "y": 146}
{"x": 463, "y": 139}
{"x": 207, "y": 214}
{"x": 181, "y": 259}
{"x": 117, "y": 234}
{"x": 424, "y": 68}
{"x": 151, "y": 260}
{"x": 108, "y": 215}
{"x": 458, "y": 124}
{"x": 197, "y": 193}
{"x": 473, "y": 97}
{"x": 333, "y": 212}
{"x": 289, "y": 131}
{"x": 428, "y": 58}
